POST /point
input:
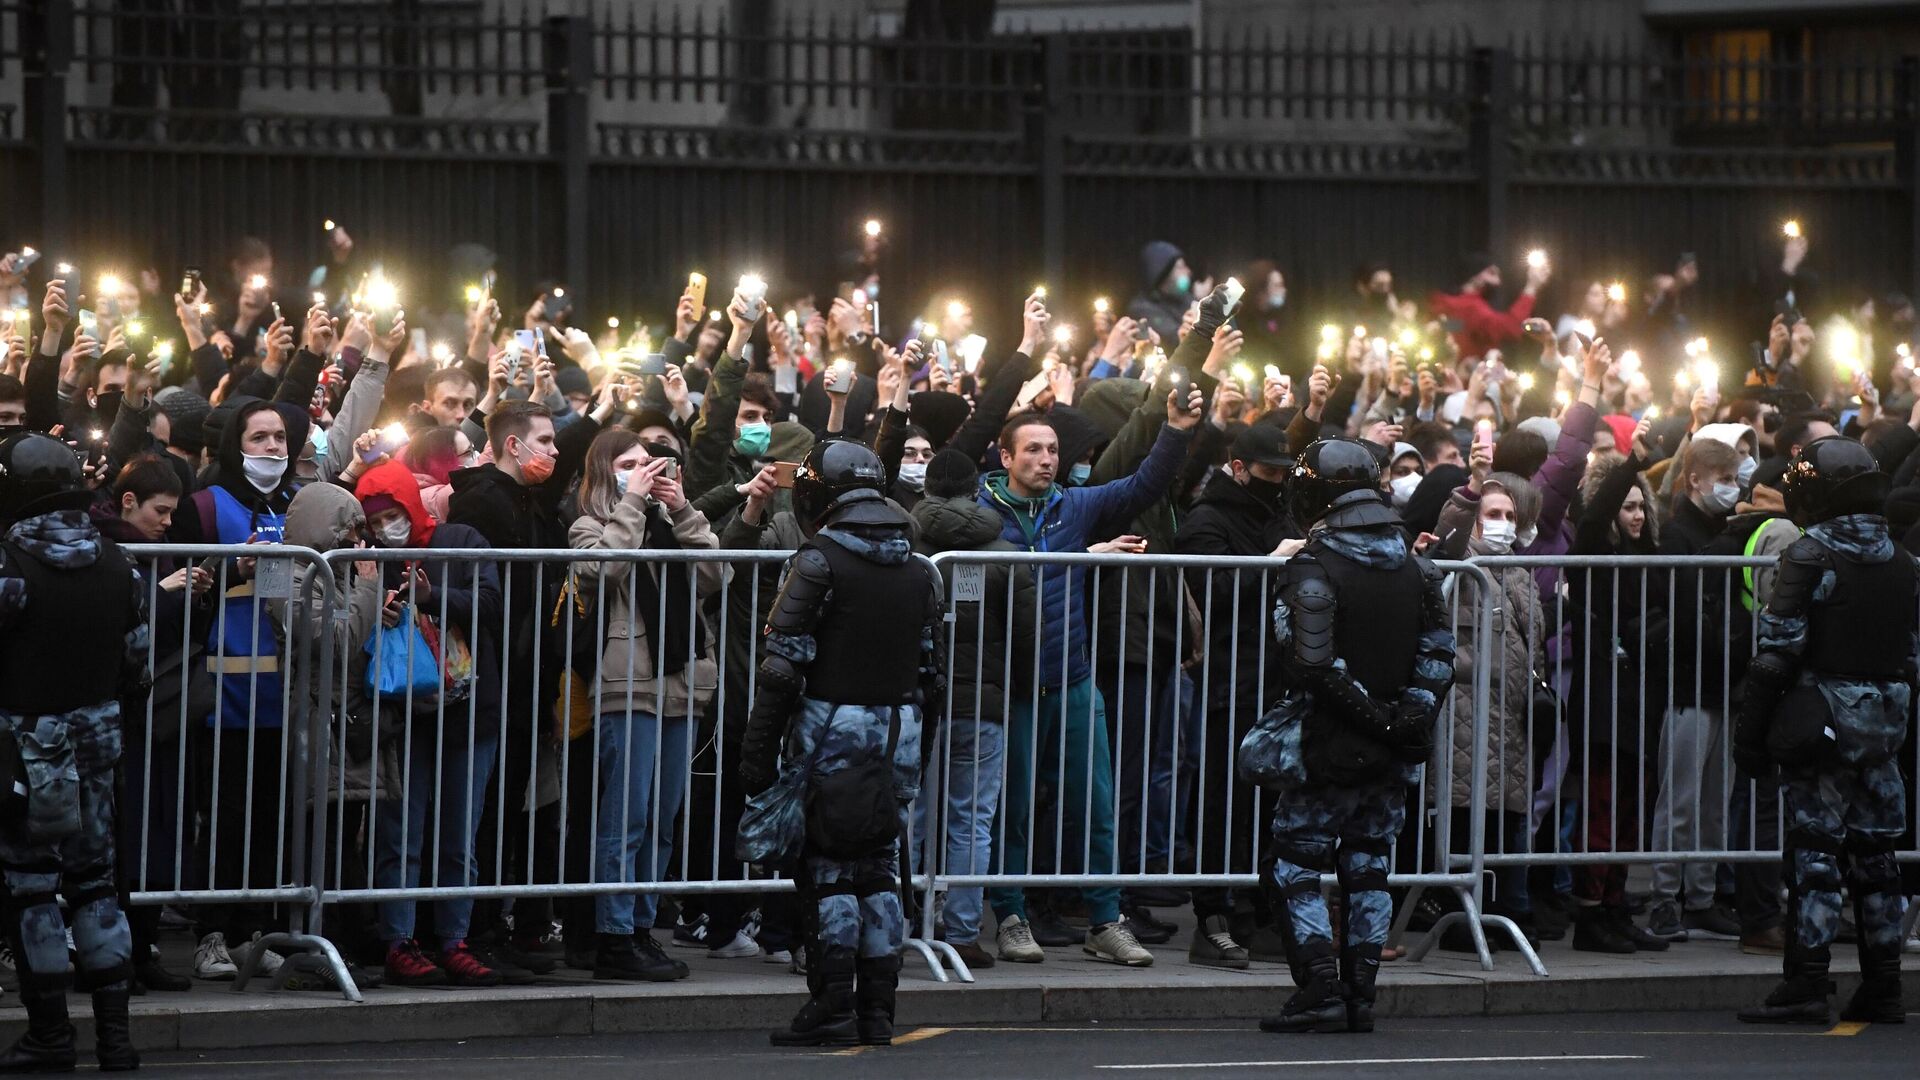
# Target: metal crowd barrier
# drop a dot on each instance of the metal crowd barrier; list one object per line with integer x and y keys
{"x": 1187, "y": 676}
{"x": 434, "y": 789}
{"x": 1637, "y": 767}
{"x": 216, "y": 770}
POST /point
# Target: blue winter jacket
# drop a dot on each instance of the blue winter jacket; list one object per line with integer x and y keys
{"x": 1069, "y": 519}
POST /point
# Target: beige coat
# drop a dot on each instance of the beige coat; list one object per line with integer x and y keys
{"x": 626, "y": 676}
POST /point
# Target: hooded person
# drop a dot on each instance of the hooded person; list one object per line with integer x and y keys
{"x": 1241, "y": 511}
{"x": 991, "y": 638}
{"x": 250, "y": 487}
{"x": 436, "y": 750}
{"x": 434, "y": 454}
{"x": 1166, "y": 288}
{"x": 852, "y": 664}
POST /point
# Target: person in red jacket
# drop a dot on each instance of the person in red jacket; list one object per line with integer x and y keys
{"x": 1481, "y": 326}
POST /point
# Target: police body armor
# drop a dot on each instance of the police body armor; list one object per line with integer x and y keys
{"x": 67, "y": 654}
{"x": 1848, "y": 635}
{"x": 1378, "y": 631}
{"x": 867, "y": 646}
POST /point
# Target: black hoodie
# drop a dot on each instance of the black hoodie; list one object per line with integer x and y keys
{"x": 196, "y": 521}
{"x": 1228, "y": 519}
{"x": 992, "y": 639}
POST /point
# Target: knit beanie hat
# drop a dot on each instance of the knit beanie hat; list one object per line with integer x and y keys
{"x": 950, "y": 475}
{"x": 186, "y": 413}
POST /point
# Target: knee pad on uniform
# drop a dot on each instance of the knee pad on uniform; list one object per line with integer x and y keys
{"x": 1872, "y": 868}
{"x": 1815, "y": 865}
{"x": 1298, "y": 866}
{"x": 39, "y": 934}
{"x": 102, "y": 939}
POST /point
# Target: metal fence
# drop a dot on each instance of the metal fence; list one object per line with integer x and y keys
{"x": 297, "y": 750}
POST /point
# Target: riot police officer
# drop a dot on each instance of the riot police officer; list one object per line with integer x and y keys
{"x": 851, "y": 666}
{"x": 1826, "y": 699}
{"x": 72, "y": 634}
{"x": 1367, "y": 658}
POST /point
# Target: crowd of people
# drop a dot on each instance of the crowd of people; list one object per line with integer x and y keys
{"x": 1177, "y": 425}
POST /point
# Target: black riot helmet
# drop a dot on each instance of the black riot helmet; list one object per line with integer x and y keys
{"x": 38, "y": 475}
{"x": 832, "y": 470}
{"x": 1832, "y": 477}
{"x": 1332, "y": 471}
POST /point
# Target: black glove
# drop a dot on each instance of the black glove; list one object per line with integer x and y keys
{"x": 1213, "y": 312}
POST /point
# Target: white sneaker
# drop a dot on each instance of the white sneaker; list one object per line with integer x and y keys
{"x": 1116, "y": 944}
{"x": 212, "y": 961}
{"x": 270, "y": 961}
{"x": 740, "y": 948}
{"x": 1017, "y": 944}
{"x": 779, "y": 956}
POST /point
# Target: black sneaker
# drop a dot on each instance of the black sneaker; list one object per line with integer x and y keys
{"x": 1050, "y": 932}
{"x": 501, "y": 958}
{"x": 1624, "y": 925}
{"x": 620, "y": 959}
{"x": 1145, "y": 928}
{"x": 1713, "y": 923}
{"x": 538, "y": 956}
{"x": 691, "y": 935}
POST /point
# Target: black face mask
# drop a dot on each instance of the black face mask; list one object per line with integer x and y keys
{"x": 1266, "y": 492}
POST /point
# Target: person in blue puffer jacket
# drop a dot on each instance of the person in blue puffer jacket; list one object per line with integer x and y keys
{"x": 1040, "y": 515}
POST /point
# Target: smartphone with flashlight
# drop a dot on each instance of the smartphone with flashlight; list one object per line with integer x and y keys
{"x": 531, "y": 343}
{"x": 697, "y": 289}
{"x": 840, "y": 377}
{"x": 190, "y": 283}
{"x": 651, "y": 364}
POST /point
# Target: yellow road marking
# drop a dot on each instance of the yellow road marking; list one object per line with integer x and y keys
{"x": 1848, "y": 1027}
{"x": 920, "y": 1035}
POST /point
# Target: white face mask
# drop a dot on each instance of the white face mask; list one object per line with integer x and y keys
{"x": 396, "y": 533}
{"x": 1527, "y": 537}
{"x": 1403, "y": 488}
{"x": 1720, "y": 499}
{"x": 1497, "y": 534}
{"x": 914, "y": 475}
{"x": 1747, "y": 469}
{"x": 264, "y": 471}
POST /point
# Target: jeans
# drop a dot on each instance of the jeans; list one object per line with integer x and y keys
{"x": 1691, "y": 811}
{"x": 1081, "y": 771}
{"x": 974, "y": 752}
{"x": 446, "y": 781}
{"x": 634, "y": 815}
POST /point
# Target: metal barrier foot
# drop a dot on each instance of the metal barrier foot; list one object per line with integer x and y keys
{"x": 1520, "y": 942}
{"x": 286, "y": 943}
{"x": 952, "y": 954}
{"x": 925, "y": 950}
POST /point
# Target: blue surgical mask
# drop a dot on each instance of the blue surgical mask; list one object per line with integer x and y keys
{"x": 1182, "y": 283}
{"x": 754, "y": 439}
{"x": 1079, "y": 473}
{"x": 620, "y": 481}
{"x": 1277, "y": 299}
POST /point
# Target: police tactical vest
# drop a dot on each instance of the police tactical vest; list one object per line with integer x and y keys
{"x": 1377, "y": 629}
{"x": 65, "y": 651}
{"x": 867, "y": 645}
{"x": 1864, "y": 628}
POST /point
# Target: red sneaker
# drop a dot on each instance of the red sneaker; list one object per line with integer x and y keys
{"x": 408, "y": 966}
{"x": 464, "y": 968}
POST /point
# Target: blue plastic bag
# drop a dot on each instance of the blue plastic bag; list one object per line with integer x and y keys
{"x": 403, "y": 661}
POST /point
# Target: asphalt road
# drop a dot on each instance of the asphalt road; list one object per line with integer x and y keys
{"x": 1693, "y": 1046}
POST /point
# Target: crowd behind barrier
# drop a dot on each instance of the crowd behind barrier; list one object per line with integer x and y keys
{"x": 230, "y": 824}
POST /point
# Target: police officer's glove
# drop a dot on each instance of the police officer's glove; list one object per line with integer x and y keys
{"x": 1213, "y": 311}
{"x": 1409, "y": 731}
{"x": 757, "y": 776}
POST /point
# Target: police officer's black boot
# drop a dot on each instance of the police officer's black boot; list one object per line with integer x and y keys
{"x": 47, "y": 1045}
{"x": 1359, "y": 969}
{"x": 827, "y": 1018}
{"x": 1801, "y": 997}
{"x": 1878, "y": 999}
{"x": 1320, "y": 1003}
{"x": 112, "y": 1030}
{"x": 879, "y": 983}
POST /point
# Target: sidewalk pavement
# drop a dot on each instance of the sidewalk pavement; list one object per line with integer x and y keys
{"x": 1069, "y": 986}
